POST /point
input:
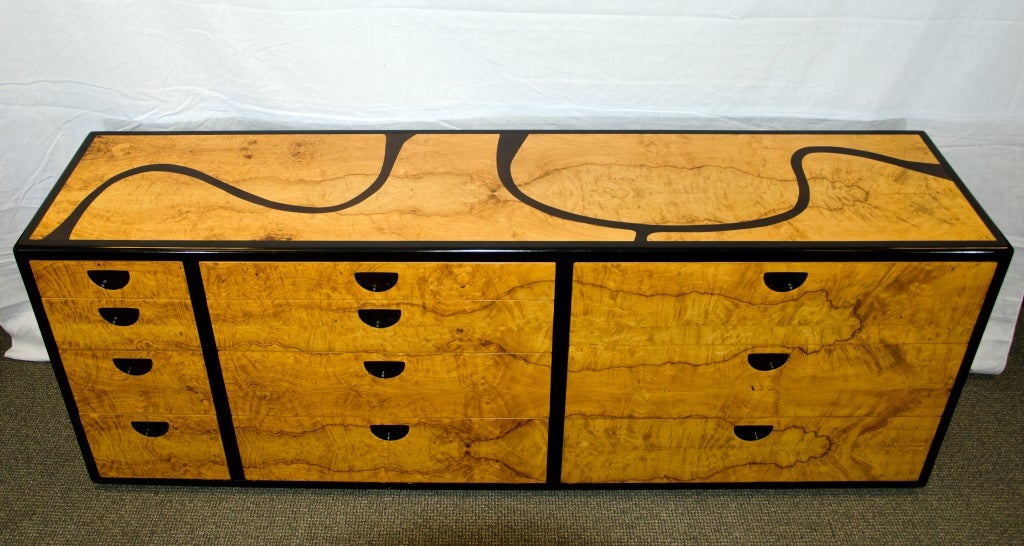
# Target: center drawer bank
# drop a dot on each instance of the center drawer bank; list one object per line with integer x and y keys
{"x": 542, "y": 309}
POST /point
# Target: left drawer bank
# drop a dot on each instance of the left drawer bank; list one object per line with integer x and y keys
{"x": 128, "y": 344}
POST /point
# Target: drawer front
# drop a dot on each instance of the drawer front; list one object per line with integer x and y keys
{"x": 715, "y": 450}
{"x": 141, "y": 325}
{"x": 376, "y": 281}
{"x": 156, "y": 446}
{"x": 346, "y": 326}
{"x": 729, "y": 381}
{"x": 110, "y": 279}
{"x": 171, "y": 382}
{"x": 387, "y": 386}
{"x": 443, "y": 451}
{"x": 794, "y": 304}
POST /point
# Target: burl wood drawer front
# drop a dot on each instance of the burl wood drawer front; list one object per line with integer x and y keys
{"x": 172, "y": 382}
{"x": 122, "y": 324}
{"x": 735, "y": 381}
{"x": 442, "y": 451}
{"x": 381, "y": 386}
{"x": 762, "y": 450}
{"x": 794, "y": 304}
{"x": 110, "y": 279}
{"x": 379, "y": 281}
{"x": 408, "y": 327}
{"x": 156, "y": 446}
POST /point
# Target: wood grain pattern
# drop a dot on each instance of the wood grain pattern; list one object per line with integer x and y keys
{"x": 713, "y": 179}
{"x": 424, "y": 327}
{"x": 707, "y": 450}
{"x": 443, "y": 187}
{"x": 191, "y": 449}
{"x": 637, "y": 305}
{"x": 176, "y": 384}
{"x": 306, "y": 169}
{"x": 438, "y": 385}
{"x": 452, "y": 451}
{"x": 70, "y": 279}
{"x": 416, "y": 281}
{"x": 702, "y": 380}
{"x": 162, "y": 325}
{"x": 446, "y": 187}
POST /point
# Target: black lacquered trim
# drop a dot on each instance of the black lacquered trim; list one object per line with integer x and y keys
{"x": 477, "y": 251}
{"x": 516, "y": 486}
{"x": 559, "y": 368}
{"x": 965, "y": 366}
{"x": 505, "y": 154}
{"x": 197, "y": 292}
{"x": 991, "y": 225}
{"x": 58, "y": 366}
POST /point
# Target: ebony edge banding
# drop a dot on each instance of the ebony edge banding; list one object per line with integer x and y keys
{"x": 559, "y": 369}
{"x": 197, "y": 292}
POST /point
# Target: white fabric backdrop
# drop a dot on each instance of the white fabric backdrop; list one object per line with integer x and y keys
{"x": 949, "y": 67}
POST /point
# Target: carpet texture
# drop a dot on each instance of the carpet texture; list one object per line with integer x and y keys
{"x": 975, "y": 496}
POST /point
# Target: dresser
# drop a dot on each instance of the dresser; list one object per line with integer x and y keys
{"x": 511, "y": 309}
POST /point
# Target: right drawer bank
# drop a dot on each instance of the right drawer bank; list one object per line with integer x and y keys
{"x": 763, "y": 372}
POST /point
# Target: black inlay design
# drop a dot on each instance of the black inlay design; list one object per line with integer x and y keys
{"x": 377, "y": 281}
{"x": 389, "y": 432}
{"x": 109, "y": 279}
{"x": 510, "y": 142}
{"x": 752, "y": 433}
{"x": 393, "y": 144}
{"x": 153, "y": 429}
{"x": 384, "y": 369}
{"x": 134, "y": 366}
{"x": 120, "y": 316}
{"x": 784, "y": 281}
{"x": 380, "y": 318}
{"x": 766, "y": 362}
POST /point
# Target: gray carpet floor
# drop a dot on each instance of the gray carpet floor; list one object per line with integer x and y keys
{"x": 975, "y": 496}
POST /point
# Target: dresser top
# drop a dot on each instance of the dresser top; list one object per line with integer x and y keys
{"x": 507, "y": 188}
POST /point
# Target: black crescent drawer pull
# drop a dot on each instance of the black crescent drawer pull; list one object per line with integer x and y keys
{"x": 109, "y": 279}
{"x": 120, "y": 316}
{"x": 752, "y": 433}
{"x": 384, "y": 369}
{"x": 134, "y": 366}
{"x": 765, "y": 362}
{"x": 377, "y": 282}
{"x": 389, "y": 432}
{"x": 784, "y": 282}
{"x": 380, "y": 318}
{"x": 153, "y": 429}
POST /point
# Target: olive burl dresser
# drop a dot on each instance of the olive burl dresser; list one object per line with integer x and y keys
{"x": 511, "y": 308}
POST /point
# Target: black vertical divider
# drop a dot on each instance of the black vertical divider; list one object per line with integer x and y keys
{"x": 220, "y": 395}
{"x": 559, "y": 369}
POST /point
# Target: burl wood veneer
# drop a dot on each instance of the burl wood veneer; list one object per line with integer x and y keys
{"x": 529, "y": 309}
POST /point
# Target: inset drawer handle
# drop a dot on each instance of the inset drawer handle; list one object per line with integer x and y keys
{"x": 380, "y": 318}
{"x": 751, "y": 433}
{"x": 389, "y": 432}
{"x": 153, "y": 429}
{"x": 784, "y": 282}
{"x": 120, "y": 316}
{"x": 109, "y": 279}
{"x": 384, "y": 369}
{"x": 377, "y": 282}
{"x": 134, "y": 366}
{"x": 765, "y": 362}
